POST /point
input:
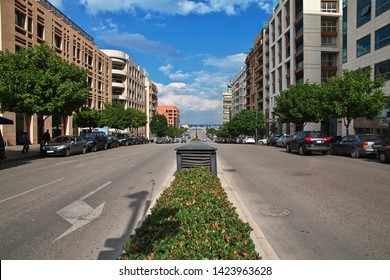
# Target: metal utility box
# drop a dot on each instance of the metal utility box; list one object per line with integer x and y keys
{"x": 197, "y": 154}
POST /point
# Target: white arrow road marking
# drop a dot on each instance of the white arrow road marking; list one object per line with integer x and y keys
{"x": 79, "y": 213}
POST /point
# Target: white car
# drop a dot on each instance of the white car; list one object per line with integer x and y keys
{"x": 263, "y": 141}
{"x": 249, "y": 140}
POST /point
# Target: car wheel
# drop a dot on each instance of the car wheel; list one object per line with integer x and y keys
{"x": 354, "y": 153}
{"x": 382, "y": 157}
{"x": 67, "y": 152}
{"x": 302, "y": 151}
{"x": 84, "y": 150}
{"x": 324, "y": 153}
{"x": 288, "y": 150}
{"x": 94, "y": 148}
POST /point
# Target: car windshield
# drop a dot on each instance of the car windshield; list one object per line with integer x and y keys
{"x": 87, "y": 135}
{"x": 314, "y": 134}
{"x": 369, "y": 138}
{"x": 61, "y": 139}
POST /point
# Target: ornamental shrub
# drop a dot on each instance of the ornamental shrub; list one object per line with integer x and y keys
{"x": 192, "y": 220}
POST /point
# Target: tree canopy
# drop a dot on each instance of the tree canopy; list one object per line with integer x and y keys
{"x": 246, "y": 122}
{"x": 354, "y": 95}
{"x": 299, "y": 104}
{"x": 36, "y": 80}
{"x": 159, "y": 125}
{"x": 87, "y": 117}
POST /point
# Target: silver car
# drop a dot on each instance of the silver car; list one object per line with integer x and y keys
{"x": 66, "y": 145}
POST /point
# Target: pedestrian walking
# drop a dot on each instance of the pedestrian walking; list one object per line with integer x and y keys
{"x": 25, "y": 142}
{"x": 46, "y": 137}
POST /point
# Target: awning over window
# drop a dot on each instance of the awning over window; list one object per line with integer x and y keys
{"x": 5, "y": 121}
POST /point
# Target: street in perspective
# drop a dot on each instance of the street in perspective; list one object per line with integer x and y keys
{"x": 86, "y": 206}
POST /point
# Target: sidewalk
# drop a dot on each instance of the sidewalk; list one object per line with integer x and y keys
{"x": 15, "y": 152}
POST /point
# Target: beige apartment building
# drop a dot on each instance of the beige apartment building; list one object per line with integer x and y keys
{"x": 304, "y": 42}
{"x": 239, "y": 92}
{"x": 172, "y": 113}
{"x": 227, "y": 99}
{"x": 128, "y": 83}
{"x": 151, "y": 103}
{"x": 25, "y": 23}
{"x": 366, "y": 43}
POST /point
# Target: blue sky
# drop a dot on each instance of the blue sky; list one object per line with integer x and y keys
{"x": 189, "y": 48}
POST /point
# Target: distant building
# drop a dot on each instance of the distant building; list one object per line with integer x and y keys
{"x": 172, "y": 113}
{"x": 28, "y": 23}
{"x": 239, "y": 92}
{"x": 128, "y": 83}
{"x": 151, "y": 103}
{"x": 227, "y": 98}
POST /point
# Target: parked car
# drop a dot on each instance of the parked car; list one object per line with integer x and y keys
{"x": 263, "y": 141}
{"x": 272, "y": 138}
{"x": 249, "y": 140}
{"x": 356, "y": 145}
{"x": 123, "y": 139}
{"x": 96, "y": 140}
{"x": 112, "y": 141}
{"x": 65, "y": 145}
{"x": 160, "y": 141}
{"x": 383, "y": 154}
{"x": 306, "y": 142}
{"x": 144, "y": 140}
{"x": 282, "y": 141}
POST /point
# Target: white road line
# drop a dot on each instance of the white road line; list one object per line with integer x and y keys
{"x": 95, "y": 191}
{"x": 34, "y": 189}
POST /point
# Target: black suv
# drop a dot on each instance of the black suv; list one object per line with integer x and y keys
{"x": 306, "y": 142}
{"x": 96, "y": 140}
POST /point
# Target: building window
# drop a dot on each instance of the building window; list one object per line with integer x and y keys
{"x": 382, "y": 37}
{"x": 363, "y": 12}
{"x": 329, "y": 6}
{"x": 381, "y": 6}
{"x": 328, "y": 25}
{"x": 329, "y": 41}
{"x": 345, "y": 31}
{"x": 57, "y": 41}
{"x": 20, "y": 19}
{"x": 363, "y": 46}
{"x": 382, "y": 69}
{"x": 329, "y": 60}
{"x": 40, "y": 31}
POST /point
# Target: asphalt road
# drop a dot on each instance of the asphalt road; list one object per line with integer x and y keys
{"x": 86, "y": 206}
{"x": 312, "y": 207}
{"x": 83, "y": 206}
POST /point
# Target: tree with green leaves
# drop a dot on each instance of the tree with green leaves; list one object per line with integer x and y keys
{"x": 246, "y": 122}
{"x": 299, "y": 104}
{"x": 114, "y": 115}
{"x": 159, "y": 125}
{"x": 87, "y": 117}
{"x": 354, "y": 95}
{"x": 36, "y": 80}
{"x": 136, "y": 117}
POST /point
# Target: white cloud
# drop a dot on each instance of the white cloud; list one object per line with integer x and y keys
{"x": 178, "y": 75}
{"x": 179, "y": 7}
{"x": 185, "y": 98}
{"x": 136, "y": 42}
{"x": 231, "y": 62}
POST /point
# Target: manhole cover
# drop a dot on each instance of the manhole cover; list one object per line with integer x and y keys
{"x": 274, "y": 211}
